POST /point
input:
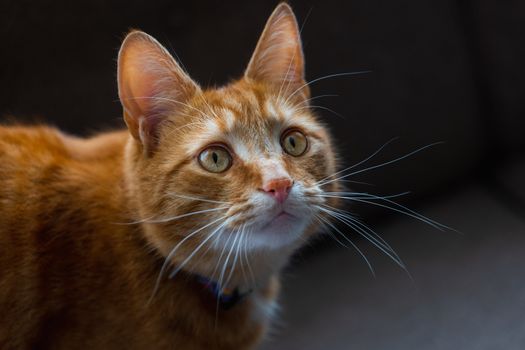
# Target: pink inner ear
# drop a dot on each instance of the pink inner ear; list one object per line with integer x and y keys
{"x": 141, "y": 86}
{"x": 148, "y": 129}
{"x": 136, "y": 94}
{"x": 151, "y": 86}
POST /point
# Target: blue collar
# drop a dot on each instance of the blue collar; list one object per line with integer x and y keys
{"x": 226, "y": 298}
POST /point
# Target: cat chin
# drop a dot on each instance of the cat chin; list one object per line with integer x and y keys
{"x": 280, "y": 232}
{"x": 279, "y": 226}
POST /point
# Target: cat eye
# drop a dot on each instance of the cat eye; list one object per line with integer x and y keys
{"x": 294, "y": 143}
{"x": 215, "y": 159}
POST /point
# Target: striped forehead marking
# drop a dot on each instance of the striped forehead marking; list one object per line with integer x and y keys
{"x": 287, "y": 111}
{"x": 212, "y": 128}
{"x": 251, "y": 124}
{"x": 270, "y": 109}
{"x": 242, "y": 151}
{"x": 229, "y": 118}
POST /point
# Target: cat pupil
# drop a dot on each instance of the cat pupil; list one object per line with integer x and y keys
{"x": 215, "y": 157}
{"x": 292, "y": 142}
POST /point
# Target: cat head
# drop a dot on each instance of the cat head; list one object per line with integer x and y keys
{"x": 224, "y": 169}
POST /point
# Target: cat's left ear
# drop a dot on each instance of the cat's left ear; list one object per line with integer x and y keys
{"x": 278, "y": 58}
{"x": 151, "y": 87}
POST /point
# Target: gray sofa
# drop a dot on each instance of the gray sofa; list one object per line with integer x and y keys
{"x": 450, "y": 71}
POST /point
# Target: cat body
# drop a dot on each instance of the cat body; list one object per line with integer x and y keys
{"x": 74, "y": 277}
{"x": 105, "y": 241}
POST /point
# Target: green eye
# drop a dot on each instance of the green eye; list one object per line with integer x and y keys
{"x": 294, "y": 143}
{"x": 215, "y": 159}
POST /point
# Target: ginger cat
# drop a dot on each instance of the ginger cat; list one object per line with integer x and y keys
{"x": 171, "y": 234}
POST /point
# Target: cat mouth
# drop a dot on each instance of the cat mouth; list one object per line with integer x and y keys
{"x": 280, "y": 218}
{"x": 281, "y": 215}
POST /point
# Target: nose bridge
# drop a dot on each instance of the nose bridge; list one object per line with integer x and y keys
{"x": 277, "y": 186}
{"x": 276, "y": 181}
{"x": 272, "y": 170}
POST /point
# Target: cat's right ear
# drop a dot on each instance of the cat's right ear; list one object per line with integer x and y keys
{"x": 278, "y": 58}
{"x": 151, "y": 86}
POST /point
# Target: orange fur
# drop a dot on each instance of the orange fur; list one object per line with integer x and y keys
{"x": 81, "y": 247}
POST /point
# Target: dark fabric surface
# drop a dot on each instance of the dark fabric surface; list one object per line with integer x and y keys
{"x": 467, "y": 291}
{"x": 512, "y": 181}
{"x": 499, "y": 38}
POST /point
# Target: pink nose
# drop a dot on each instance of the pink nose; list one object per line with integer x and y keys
{"x": 278, "y": 188}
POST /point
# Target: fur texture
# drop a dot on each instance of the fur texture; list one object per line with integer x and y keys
{"x": 92, "y": 228}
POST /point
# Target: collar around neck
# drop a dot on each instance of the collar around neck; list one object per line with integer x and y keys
{"x": 225, "y": 297}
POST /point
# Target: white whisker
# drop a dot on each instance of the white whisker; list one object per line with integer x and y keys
{"x": 215, "y": 270}
{"x": 357, "y": 222}
{"x": 323, "y": 78}
{"x": 350, "y": 195}
{"x": 382, "y": 164}
{"x": 225, "y": 265}
{"x": 210, "y": 236}
{"x": 385, "y": 248}
{"x": 168, "y": 100}
{"x": 349, "y": 241}
{"x": 361, "y": 196}
{"x": 248, "y": 260}
{"x": 359, "y": 163}
{"x": 173, "y": 218}
{"x": 235, "y": 258}
{"x": 168, "y": 258}
{"x": 405, "y": 211}
{"x": 380, "y": 246}
{"x": 302, "y": 103}
{"x": 319, "y": 107}
{"x": 196, "y": 198}
{"x": 242, "y": 249}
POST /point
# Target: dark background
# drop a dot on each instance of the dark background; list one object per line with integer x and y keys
{"x": 442, "y": 70}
